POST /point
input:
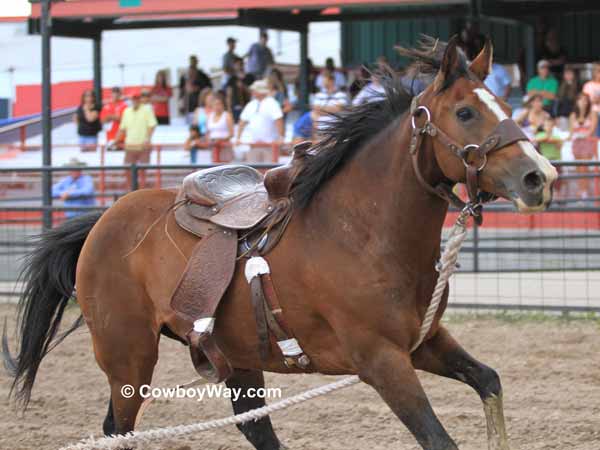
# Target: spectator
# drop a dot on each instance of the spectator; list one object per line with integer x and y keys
{"x": 372, "y": 92}
{"x": 554, "y": 54}
{"x": 361, "y": 79}
{"x": 278, "y": 90}
{"x": 382, "y": 62}
{"x": 111, "y": 113}
{"x": 567, "y": 93}
{"x": 219, "y": 127}
{"x": 543, "y": 84}
{"x": 193, "y": 143}
{"x": 262, "y": 117}
{"x": 260, "y": 57}
{"x": 303, "y": 128}
{"x": 471, "y": 40}
{"x": 549, "y": 140}
{"x": 312, "y": 79}
{"x": 76, "y": 190}
{"x": 228, "y": 62}
{"x": 327, "y": 102}
{"x": 339, "y": 77}
{"x": 87, "y": 119}
{"x": 583, "y": 124}
{"x": 160, "y": 95}
{"x": 498, "y": 81}
{"x": 205, "y": 100}
{"x": 592, "y": 89}
{"x": 145, "y": 99}
{"x": 532, "y": 118}
{"x": 414, "y": 83}
{"x": 236, "y": 90}
{"x": 190, "y": 85}
{"x": 137, "y": 125}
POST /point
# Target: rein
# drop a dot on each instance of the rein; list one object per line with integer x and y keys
{"x": 473, "y": 156}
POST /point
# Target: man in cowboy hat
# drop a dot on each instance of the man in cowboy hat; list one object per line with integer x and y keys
{"x": 75, "y": 190}
{"x": 262, "y": 117}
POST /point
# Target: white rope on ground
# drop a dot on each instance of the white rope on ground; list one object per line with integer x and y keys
{"x": 447, "y": 267}
{"x": 141, "y": 437}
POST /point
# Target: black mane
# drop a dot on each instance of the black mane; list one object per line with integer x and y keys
{"x": 351, "y": 129}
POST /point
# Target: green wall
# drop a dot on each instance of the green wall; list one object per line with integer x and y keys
{"x": 365, "y": 41}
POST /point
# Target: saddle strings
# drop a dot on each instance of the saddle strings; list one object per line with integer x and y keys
{"x": 152, "y": 225}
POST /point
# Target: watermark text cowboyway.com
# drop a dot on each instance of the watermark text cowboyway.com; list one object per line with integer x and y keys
{"x": 206, "y": 391}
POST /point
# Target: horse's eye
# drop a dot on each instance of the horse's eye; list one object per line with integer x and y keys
{"x": 464, "y": 114}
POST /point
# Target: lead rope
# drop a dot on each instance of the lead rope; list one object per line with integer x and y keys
{"x": 446, "y": 268}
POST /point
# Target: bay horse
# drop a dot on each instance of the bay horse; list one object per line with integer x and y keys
{"x": 354, "y": 270}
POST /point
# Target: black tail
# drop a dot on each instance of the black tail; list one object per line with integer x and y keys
{"x": 48, "y": 278}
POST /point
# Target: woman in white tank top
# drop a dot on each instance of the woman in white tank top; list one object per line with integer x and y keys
{"x": 219, "y": 124}
{"x": 219, "y": 129}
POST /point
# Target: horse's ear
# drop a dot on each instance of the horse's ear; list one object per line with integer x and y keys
{"x": 450, "y": 62}
{"x": 482, "y": 64}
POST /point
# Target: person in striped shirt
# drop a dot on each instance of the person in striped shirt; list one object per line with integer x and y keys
{"x": 326, "y": 103}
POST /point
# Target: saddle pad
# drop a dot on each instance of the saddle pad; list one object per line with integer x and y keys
{"x": 207, "y": 276}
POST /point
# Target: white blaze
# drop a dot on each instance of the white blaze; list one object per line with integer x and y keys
{"x": 489, "y": 100}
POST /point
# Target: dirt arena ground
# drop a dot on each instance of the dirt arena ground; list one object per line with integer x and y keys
{"x": 550, "y": 370}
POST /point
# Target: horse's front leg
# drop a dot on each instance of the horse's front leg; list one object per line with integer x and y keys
{"x": 390, "y": 371}
{"x": 442, "y": 355}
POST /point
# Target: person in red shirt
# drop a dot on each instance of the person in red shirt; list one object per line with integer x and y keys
{"x": 111, "y": 113}
{"x": 160, "y": 95}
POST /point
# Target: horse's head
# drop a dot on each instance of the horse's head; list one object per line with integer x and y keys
{"x": 472, "y": 128}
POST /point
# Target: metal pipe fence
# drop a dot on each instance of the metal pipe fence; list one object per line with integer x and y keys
{"x": 548, "y": 261}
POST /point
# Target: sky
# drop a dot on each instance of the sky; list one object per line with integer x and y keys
{"x": 14, "y": 8}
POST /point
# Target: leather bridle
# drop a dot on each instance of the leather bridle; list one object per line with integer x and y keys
{"x": 473, "y": 156}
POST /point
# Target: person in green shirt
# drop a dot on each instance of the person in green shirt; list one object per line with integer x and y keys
{"x": 543, "y": 84}
{"x": 549, "y": 141}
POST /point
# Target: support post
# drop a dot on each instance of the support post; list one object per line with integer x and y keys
{"x": 475, "y": 247}
{"x": 304, "y": 75}
{"x": 98, "y": 67}
{"x": 46, "y": 31}
{"x": 529, "y": 51}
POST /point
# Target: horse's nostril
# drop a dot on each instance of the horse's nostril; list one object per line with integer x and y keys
{"x": 534, "y": 181}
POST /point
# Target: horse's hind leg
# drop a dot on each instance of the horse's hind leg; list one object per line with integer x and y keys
{"x": 126, "y": 348}
{"x": 260, "y": 433}
{"x": 109, "y": 421}
{"x": 443, "y": 356}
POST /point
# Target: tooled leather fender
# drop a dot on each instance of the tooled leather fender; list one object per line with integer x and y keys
{"x": 197, "y": 295}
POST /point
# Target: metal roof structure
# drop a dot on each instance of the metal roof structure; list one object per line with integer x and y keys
{"x": 87, "y": 18}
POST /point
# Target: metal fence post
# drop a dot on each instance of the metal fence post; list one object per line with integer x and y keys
{"x": 475, "y": 247}
{"x": 135, "y": 182}
{"x": 46, "y": 29}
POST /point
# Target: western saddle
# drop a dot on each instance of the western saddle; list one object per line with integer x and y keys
{"x": 238, "y": 214}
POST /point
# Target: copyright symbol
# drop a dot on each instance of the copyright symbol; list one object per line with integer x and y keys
{"x": 127, "y": 391}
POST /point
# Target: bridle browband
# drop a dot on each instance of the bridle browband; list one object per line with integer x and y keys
{"x": 473, "y": 156}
